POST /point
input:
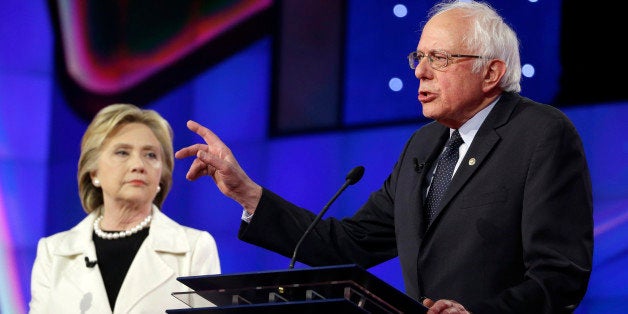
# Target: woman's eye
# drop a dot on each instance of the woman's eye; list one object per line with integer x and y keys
{"x": 121, "y": 153}
{"x": 152, "y": 155}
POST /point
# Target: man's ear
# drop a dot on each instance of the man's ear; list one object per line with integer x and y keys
{"x": 494, "y": 72}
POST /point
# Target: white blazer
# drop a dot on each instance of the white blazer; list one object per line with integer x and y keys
{"x": 62, "y": 283}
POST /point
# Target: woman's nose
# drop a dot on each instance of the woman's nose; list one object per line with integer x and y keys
{"x": 137, "y": 163}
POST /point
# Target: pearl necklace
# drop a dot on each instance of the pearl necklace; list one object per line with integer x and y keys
{"x": 120, "y": 234}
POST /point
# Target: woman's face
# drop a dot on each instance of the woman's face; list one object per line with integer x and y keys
{"x": 129, "y": 166}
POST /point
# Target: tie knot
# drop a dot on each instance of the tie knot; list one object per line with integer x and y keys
{"x": 455, "y": 140}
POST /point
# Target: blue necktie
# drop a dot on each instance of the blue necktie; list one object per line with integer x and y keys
{"x": 444, "y": 171}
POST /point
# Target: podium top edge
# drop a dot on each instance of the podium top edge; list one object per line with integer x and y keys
{"x": 349, "y": 275}
{"x": 277, "y": 277}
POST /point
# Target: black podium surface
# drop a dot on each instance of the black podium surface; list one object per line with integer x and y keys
{"x": 343, "y": 289}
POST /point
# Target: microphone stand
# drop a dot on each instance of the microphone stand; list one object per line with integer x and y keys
{"x": 352, "y": 177}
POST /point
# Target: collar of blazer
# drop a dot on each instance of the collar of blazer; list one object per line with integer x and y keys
{"x": 165, "y": 235}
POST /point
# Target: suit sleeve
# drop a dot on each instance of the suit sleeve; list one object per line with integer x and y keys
{"x": 205, "y": 258}
{"x": 558, "y": 218}
{"x": 557, "y": 227}
{"x": 366, "y": 239}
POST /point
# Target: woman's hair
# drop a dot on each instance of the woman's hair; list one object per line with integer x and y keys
{"x": 490, "y": 36}
{"x": 104, "y": 125}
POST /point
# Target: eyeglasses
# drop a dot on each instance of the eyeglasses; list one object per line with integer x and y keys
{"x": 438, "y": 59}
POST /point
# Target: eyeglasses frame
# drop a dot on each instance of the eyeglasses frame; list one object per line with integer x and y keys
{"x": 414, "y": 55}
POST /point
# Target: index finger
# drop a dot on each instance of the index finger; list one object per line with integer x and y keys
{"x": 207, "y": 135}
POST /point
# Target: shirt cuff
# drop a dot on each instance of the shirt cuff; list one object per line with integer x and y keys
{"x": 246, "y": 217}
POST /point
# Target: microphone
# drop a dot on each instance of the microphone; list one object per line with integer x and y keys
{"x": 90, "y": 264}
{"x": 418, "y": 167}
{"x": 352, "y": 178}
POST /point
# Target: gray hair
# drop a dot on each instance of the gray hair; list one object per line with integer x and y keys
{"x": 490, "y": 36}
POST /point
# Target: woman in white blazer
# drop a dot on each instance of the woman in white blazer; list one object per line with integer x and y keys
{"x": 125, "y": 256}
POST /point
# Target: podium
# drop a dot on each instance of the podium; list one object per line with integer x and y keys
{"x": 343, "y": 289}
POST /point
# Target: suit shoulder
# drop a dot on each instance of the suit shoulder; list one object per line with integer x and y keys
{"x": 541, "y": 110}
{"x": 56, "y": 238}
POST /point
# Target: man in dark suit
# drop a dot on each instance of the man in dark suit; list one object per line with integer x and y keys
{"x": 511, "y": 231}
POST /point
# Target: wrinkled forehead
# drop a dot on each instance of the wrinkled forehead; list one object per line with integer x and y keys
{"x": 444, "y": 31}
{"x": 133, "y": 134}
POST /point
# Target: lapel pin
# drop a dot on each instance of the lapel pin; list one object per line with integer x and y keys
{"x": 471, "y": 161}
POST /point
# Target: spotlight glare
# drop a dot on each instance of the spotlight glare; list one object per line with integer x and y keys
{"x": 400, "y": 10}
{"x": 395, "y": 84}
{"x": 527, "y": 70}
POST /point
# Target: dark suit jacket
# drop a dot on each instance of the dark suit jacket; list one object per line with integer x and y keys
{"x": 515, "y": 233}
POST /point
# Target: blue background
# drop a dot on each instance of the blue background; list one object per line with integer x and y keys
{"x": 40, "y": 136}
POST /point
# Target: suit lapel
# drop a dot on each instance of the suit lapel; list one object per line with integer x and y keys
{"x": 87, "y": 280}
{"x": 149, "y": 270}
{"x": 474, "y": 158}
{"x": 483, "y": 143}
